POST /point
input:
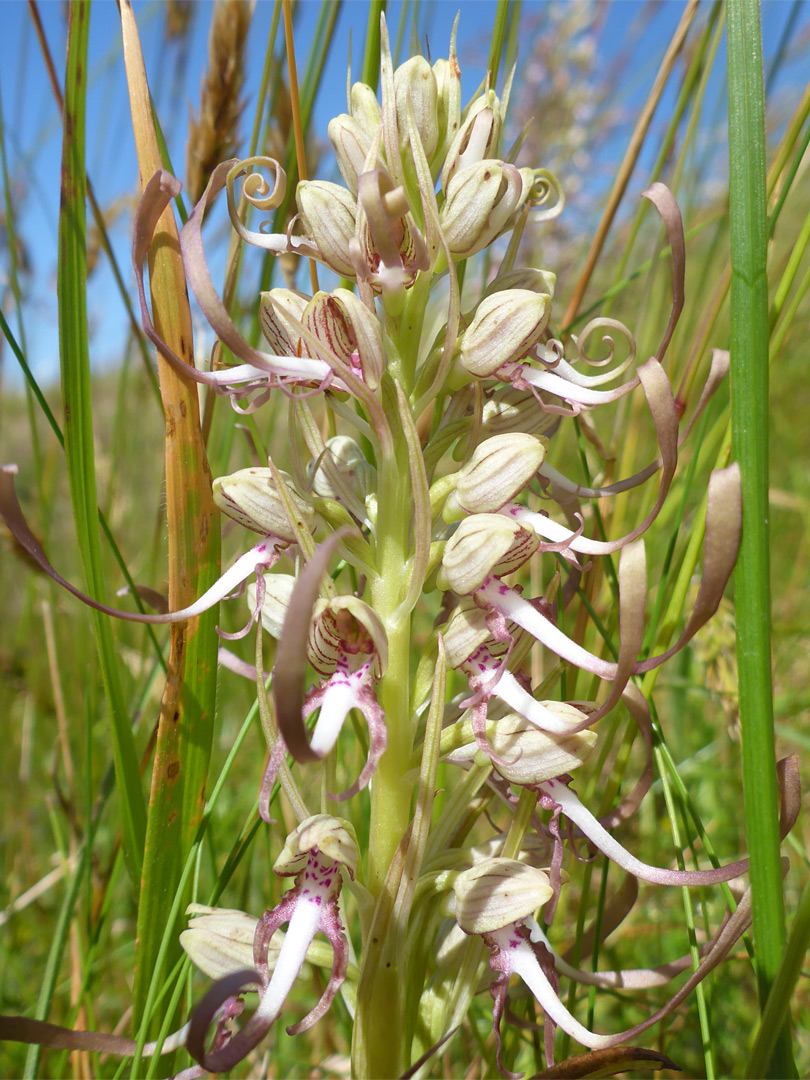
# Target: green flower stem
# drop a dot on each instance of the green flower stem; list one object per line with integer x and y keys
{"x": 380, "y": 1003}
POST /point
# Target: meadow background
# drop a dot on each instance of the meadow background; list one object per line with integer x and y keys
{"x": 586, "y": 72}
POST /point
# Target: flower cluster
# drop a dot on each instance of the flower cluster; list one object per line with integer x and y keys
{"x": 442, "y": 409}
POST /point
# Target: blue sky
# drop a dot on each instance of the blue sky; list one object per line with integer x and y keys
{"x": 33, "y": 131}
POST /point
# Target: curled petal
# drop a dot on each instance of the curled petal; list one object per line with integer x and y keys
{"x": 224, "y": 1058}
{"x": 156, "y": 196}
{"x": 291, "y": 657}
{"x": 664, "y": 202}
{"x": 555, "y": 359}
{"x": 662, "y": 407}
{"x": 199, "y": 278}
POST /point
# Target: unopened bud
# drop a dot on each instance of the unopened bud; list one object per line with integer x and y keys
{"x": 329, "y": 212}
{"x": 249, "y": 496}
{"x": 480, "y": 200}
{"x": 526, "y": 277}
{"x": 365, "y": 109}
{"x": 344, "y": 457}
{"x": 323, "y": 316}
{"x": 448, "y": 104}
{"x": 275, "y": 307}
{"x": 350, "y": 330}
{"x": 497, "y": 893}
{"x": 482, "y": 545}
{"x": 352, "y": 145}
{"x": 476, "y": 139}
{"x": 333, "y": 837}
{"x": 499, "y": 469}
{"x": 414, "y": 81}
{"x": 505, "y": 326}
{"x": 219, "y": 941}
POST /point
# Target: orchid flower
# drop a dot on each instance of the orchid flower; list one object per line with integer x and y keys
{"x": 314, "y": 853}
{"x": 472, "y": 649}
{"x": 496, "y": 900}
{"x": 348, "y": 648}
{"x": 248, "y": 496}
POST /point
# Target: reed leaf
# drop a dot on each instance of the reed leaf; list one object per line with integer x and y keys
{"x": 749, "y": 360}
{"x": 78, "y": 428}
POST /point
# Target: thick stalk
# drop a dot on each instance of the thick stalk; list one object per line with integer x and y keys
{"x": 380, "y": 1027}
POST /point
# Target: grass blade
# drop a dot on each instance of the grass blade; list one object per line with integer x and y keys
{"x": 749, "y": 360}
{"x": 78, "y": 427}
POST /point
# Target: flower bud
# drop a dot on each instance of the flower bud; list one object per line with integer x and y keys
{"x": 516, "y": 410}
{"x": 347, "y": 459}
{"x": 274, "y": 308}
{"x": 499, "y": 469}
{"x": 528, "y": 756}
{"x": 329, "y": 212}
{"x": 346, "y": 326}
{"x": 525, "y": 277}
{"x": 249, "y": 496}
{"x": 365, "y": 109}
{"x": 506, "y": 325}
{"x": 323, "y": 316}
{"x": 476, "y": 139}
{"x": 448, "y": 105}
{"x": 277, "y": 593}
{"x": 219, "y": 941}
{"x": 480, "y": 200}
{"x": 414, "y": 80}
{"x": 352, "y": 145}
{"x": 346, "y": 625}
{"x": 365, "y": 334}
{"x": 497, "y": 893}
{"x": 333, "y": 837}
{"x": 483, "y": 545}
{"x": 465, "y": 633}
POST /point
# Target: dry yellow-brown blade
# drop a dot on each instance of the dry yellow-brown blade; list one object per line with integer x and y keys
{"x": 172, "y": 319}
{"x": 186, "y": 713}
